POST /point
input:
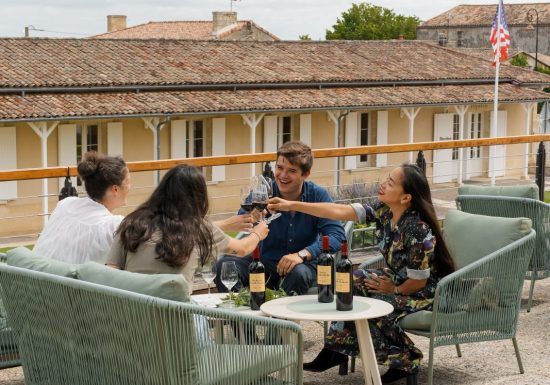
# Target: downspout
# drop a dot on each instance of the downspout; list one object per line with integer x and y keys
{"x": 337, "y": 142}
{"x": 158, "y": 128}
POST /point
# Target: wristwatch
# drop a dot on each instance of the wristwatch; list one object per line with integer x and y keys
{"x": 303, "y": 254}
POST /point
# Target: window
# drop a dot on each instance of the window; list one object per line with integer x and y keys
{"x": 475, "y": 133}
{"x": 194, "y": 145}
{"x": 456, "y": 134}
{"x": 459, "y": 37}
{"x": 284, "y": 131}
{"x": 364, "y": 135}
{"x": 87, "y": 139}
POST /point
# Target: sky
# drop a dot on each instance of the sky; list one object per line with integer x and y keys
{"x": 287, "y": 19}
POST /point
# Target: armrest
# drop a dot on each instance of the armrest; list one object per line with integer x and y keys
{"x": 374, "y": 263}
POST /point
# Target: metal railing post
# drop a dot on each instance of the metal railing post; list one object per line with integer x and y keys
{"x": 539, "y": 173}
{"x": 421, "y": 161}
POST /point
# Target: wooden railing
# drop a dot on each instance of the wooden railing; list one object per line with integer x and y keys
{"x": 153, "y": 165}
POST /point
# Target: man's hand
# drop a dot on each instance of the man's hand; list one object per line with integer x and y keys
{"x": 288, "y": 263}
{"x": 279, "y": 204}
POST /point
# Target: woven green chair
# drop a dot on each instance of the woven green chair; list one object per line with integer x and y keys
{"x": 480, "y": 301}
{"x": 511, "y": 202}
{"x": 75, "y": 332}
{"x": 9, "y": 355}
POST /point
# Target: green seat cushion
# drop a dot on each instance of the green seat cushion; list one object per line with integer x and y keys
{"x": 470, "y": 236}
{"x": 420, "y": 320}
{"x": 521, "y": 191}
{"x": 27, "y": 259}
{"x": 168, "y": 286}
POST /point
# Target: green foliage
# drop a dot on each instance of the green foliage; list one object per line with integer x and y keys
{"x": 547, "y": 196}
{"x": 304, "y": 37}
{"x": 242, "y": 298}
{"x": 520, "y": 60}
{"x": 370, "y": 22}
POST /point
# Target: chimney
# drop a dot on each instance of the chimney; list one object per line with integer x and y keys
{"x": 116, "y": 22}
{"x": 223, "y": 19}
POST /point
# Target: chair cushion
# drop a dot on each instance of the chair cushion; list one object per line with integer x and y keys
{"x": 521, "y": 191}
{"x": 168, "y": 286}
{"x": 470, "y": 237}
{"x": 27, "y": 259}
{"x": 420, "y": 320}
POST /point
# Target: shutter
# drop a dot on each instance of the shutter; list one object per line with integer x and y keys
{"x": 218, "y": 147}
{"x": 8, "y": 161}
{"x": 382, "y": 137}
{"x": 178, "y": 136}
{"x": 305, "y": 129}
{"x": 270, "y": 134}
{"x": 114, "y": 139}
{"x": 66, "y": 149}
{"x": 350, "y": 162}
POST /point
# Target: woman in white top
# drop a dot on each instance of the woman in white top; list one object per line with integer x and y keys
{"x": 82, "y": 229}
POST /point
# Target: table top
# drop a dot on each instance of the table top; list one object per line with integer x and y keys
{"x": 308, "y": 308}
{"x": 215, "y": 301}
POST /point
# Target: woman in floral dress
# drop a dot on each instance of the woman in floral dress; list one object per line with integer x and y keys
{"x": 416, "y": 259}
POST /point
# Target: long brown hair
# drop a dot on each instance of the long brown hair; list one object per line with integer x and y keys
{"x": 177, "y": 209}
{"x": 415, "y": 183}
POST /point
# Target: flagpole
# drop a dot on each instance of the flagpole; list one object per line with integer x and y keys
{"x": 492, "y": 149}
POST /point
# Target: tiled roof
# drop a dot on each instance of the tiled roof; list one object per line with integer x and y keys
{"x": 191, "y": 30}
{"x": 33, "y": 63}
{"x": 482, "y": 15}
{"x": 76, "y": 105}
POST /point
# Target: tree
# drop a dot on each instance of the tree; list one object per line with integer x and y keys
{"x": 519, "y": 60}
{"x": 304, "y": 37}
{"x": 369, "y": 22}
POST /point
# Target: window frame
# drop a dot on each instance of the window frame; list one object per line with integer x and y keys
{"x": 364, "y": 160}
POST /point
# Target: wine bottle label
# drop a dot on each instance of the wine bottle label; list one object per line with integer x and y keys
{"x": 324, "y": 275}
{"x": 257, "y": 282}
{"x": 342, "y": 282}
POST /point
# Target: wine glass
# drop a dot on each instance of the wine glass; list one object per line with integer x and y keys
{"x": 229, "y": 277}
{"x": 268, "y": 182}
{"x": 259, "y": 198}
{"x": 246, "y": 200}
{"x": 208, "y": 273}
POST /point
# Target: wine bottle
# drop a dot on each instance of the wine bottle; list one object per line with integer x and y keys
{"x": 325, "y": 274}
{"x": 256, "y": 277}
{"x": 344, "y": 280}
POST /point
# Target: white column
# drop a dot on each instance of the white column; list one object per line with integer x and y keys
{"x": 252, "y": 120}
{"x": 461, "y": 111}
{"x": 410, "y": 113}
{"x": 350, "y": 162}
{"x": 527, "y": 108}
{"x": 382, "y": 137}
{"x": 305, "y": 128}
{"x": 114, "y": 139}
{"x": 218, "y": 147}
{"x": 152, "y": 124}
{"x": 8, "y": 161}
{"x": 43, "y": 131}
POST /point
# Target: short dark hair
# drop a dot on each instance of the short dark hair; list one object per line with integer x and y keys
{"x": 298, "y": 154}
{"x": 99, "y": 172}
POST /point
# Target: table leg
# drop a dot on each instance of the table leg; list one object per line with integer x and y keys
{"x": 368, "y": 356}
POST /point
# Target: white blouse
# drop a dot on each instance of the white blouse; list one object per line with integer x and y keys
{"x": 79, "y": 230}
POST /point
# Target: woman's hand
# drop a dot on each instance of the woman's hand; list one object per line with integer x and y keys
{"x": 261, "y": 230}
{"x": 278, "y": 204}
{"x": 382, "y": 284}
{"x": 241, "y": 222}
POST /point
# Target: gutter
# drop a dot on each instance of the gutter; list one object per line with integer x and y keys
{"x": 170, "y": 115}
{"x": 246, "y": 86}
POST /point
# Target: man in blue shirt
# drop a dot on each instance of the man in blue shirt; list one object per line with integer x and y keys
{"x": 290, "y": 250}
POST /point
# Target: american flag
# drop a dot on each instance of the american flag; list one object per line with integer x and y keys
{"x": 501, "y": 35}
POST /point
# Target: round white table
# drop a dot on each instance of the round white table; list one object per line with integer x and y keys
{"x": 215, "y": 301}
{"x": 308, "y": 308}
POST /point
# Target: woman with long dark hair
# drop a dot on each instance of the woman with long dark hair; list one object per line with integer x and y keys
{"x": 416, "y": 256}
{"x": 169, "y": 233}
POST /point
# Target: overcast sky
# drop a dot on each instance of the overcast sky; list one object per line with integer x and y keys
{"x": 285, "y": 18}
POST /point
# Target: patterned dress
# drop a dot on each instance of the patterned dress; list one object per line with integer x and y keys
{"x": 408, "y": 250}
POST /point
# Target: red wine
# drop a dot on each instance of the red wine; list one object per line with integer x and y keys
{"x": 325, "y": 274}
{"x": 344, "y": 281}
{"x": 247, "y": 207}
{"x": 257, "y": 281}
{"x": 260, "y": 205}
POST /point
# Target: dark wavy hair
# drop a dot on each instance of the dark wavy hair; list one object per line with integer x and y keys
{"x": 177, "y": 209}
{"x": 415, "y": 183}
{"x": 99, "y": 172}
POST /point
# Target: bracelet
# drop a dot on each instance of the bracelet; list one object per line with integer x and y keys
{"x": 396, "y": 290}
{"x": 256, "y": 234}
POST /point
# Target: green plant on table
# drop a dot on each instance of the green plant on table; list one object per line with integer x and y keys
{"x": 242, "y": 298}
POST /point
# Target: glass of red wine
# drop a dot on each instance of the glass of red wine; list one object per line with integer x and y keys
{"x": 246, "y": 200}
{"x": 259, "y": 198}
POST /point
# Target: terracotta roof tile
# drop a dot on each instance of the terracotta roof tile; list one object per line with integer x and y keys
{"x": 482, "y": 15}
{"x": 191, "y": 30}
{"x": 32, "y": 63}
{"x": 76, "y": 105}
